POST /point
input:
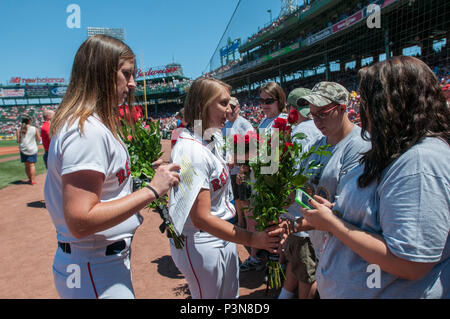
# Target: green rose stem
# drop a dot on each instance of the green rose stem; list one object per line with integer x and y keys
{"x": 144, "y": 148}
{"x": 271, "y": 194}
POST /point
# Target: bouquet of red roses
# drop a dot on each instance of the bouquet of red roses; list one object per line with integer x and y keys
{"x": 143, "y": 142}
{"x": 277, "y": 174}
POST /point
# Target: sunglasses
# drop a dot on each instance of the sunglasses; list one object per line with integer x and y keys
{"x": 323, "y": 115}
{"x": 266, "y": 101}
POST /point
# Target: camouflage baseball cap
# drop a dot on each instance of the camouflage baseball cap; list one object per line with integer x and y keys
{"x": 295, "y": 96}
{"x": 234, "y": 101}
{"x": 325, "y": 93}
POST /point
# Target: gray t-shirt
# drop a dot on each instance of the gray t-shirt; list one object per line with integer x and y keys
{"x": 311, "y": 131}
{"x": 324, "y": 181}
{"x": 410, "y": 209}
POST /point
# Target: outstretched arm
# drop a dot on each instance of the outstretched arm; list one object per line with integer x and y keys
{"x": 371, "y": 247}
{"x": 203, "y": 219}
{"x": 86, "y": 215}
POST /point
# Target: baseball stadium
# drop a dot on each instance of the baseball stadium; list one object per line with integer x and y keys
{"x": 309, "y": 42}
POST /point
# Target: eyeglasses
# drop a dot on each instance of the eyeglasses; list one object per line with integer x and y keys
{"x": 266, "y": 101}
{"x": 323, "y": 115}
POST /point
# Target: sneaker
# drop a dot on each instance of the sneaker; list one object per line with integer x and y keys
{"x": 249, "y": 265}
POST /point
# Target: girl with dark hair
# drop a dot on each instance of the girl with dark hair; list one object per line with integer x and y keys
{"x": 28, "y": 138}
{"x": 272, "y": 100}
{"x": 88, "y": 189}
{"x": 391, "y": 239}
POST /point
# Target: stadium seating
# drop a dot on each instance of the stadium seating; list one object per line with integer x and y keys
{"x": 10, "y": 117}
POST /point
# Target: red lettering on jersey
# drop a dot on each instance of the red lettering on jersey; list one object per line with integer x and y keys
{"x": 216, "y": 184}
{"x": 225, "y": 172}
{"x": 223, "y": 178}
{"x": 127, "y": 167}
{"x": 121, "y": 176}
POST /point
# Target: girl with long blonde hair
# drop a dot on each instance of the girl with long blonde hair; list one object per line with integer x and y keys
{"x": 88, "y": 190}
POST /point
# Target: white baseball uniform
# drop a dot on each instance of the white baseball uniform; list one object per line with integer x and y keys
{"x": 98, "y": 265}
{"x": 209, "y": 264}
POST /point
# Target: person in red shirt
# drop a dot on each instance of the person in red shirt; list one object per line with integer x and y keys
{"x": 45, "y": 128}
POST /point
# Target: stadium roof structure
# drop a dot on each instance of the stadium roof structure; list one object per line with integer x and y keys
{"x": 315, "y": 47}
{"x": 117, "y": 33}
{"x": 294, "y": 21}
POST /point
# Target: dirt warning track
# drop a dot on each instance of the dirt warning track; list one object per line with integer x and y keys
{"x": 29, "y": 243}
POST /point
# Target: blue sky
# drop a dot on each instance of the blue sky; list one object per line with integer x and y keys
{"x": 36, "y": 42}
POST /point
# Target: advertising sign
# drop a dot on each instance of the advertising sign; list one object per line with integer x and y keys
{"x": 20, "y": 80}
{"x": 230, "y": 48}
{"x": 58, "y": 91}
{"x": 283, "y": 51}
{"x": 388, "y": 2}
{"x": 319, "y": 36}
{"x": 158, "y": 72}
{"x": 358, "y": 16}
{"x": 12, "y": 93}
{"x": 37, "y": 92}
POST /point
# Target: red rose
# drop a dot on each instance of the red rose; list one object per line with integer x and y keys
{"x": 137, "y": 113}
{"x": 280, "y": 124}
{"x": 252, "y": 136}
{"x": 238, "y": 139}
{"x": 246, "y": 139}
{"x": 287, "y": 145}
{"x": 124, "y": 112}
{"x": 121, "y": 112}
{"x": 294, "y": 115}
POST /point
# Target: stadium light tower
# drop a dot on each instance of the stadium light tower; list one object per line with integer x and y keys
{"x": 288, "y": 6}
{"x": 270, "y": 15}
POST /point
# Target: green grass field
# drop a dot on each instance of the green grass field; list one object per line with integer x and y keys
{"x": 8, "y": 143}
{"x": 13, "y": 171}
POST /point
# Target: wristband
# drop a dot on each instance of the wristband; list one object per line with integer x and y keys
{"x": 295, "y": 225}
{"x": 153, "y": 190}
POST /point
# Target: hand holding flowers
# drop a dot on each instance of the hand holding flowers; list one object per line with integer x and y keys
{"x": 271, "y": 191}
{"x": 143, "y": 142}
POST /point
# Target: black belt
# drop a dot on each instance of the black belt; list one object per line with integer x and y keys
{"x": 65, "y": 247}
{"x": 112, "y": 249}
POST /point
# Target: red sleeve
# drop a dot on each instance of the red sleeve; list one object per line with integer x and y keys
{"x": 45, "y": 135}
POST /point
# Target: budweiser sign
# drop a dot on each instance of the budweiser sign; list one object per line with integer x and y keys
{"x": 19, "y": 80}
{"x": 156, "y": 72}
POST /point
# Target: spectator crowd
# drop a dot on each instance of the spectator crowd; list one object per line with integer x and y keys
{"x": 250, "y": 109}
{"x": 10, "y": 117}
